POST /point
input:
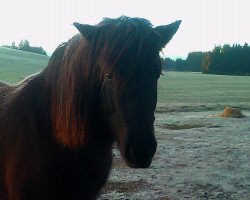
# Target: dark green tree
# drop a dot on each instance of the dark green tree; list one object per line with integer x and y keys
{"x": 24, "y": 45}
{"x": 194, "y": 61}
{"x": 168, "y": 64}
{"x": 180, "y": 65}
{"x": 227, "y": 60}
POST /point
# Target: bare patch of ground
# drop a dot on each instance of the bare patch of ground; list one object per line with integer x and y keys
{"x": 181, "y": 126}
{"x": 199, "y": 156}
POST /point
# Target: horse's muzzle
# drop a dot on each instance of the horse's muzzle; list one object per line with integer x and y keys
{"x": 140, "y": 154}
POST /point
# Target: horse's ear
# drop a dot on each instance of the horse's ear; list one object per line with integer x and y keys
{"x": 84, "y": 29}
{"x": 167, "y": 32}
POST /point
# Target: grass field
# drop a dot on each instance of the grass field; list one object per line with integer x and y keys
{"x": 176, "y": 89}
{"x": 202, "y": 90}
{"x": 16, "y": 65}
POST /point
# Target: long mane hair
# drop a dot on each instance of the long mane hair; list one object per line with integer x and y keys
{"x": 83, "y": 67}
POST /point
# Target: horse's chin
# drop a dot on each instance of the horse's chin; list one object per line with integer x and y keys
{"x": 137, "y": 162}
{"x": 134, "y": 164}
{"x": 139, "y": 156}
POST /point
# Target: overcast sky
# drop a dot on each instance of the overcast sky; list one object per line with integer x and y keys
{"x": 205, "y": 24}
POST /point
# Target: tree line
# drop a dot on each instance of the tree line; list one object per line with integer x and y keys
{"x": 223, "y": 60}
{"x": 24, "y": 45}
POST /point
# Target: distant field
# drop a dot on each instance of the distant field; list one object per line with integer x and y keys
{"x": 16, "y": 65}
{"x": 197, "y": 90}
{"x": 176, "y": 90}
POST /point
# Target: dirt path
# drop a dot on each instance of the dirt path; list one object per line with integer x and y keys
{"x": 198, "y": 157}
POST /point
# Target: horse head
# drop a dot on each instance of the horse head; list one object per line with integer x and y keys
{"x": 129, "y": 66}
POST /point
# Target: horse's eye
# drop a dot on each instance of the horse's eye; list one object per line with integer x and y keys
{"x": 109, "y": 76}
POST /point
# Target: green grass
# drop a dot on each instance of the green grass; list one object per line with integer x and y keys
{"x": 175, "y": 89}
{"x": 197, "y": 89}
{"x": 16, "y": 65}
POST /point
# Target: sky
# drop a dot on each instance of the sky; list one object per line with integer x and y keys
{"x": 205, "y": 23}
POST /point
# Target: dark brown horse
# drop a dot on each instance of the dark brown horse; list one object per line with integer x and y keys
{"x": 57, "y": 127}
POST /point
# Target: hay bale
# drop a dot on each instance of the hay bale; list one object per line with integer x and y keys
{"x": 232, "y": 112}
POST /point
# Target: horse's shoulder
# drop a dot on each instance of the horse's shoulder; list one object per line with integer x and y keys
{"x": 6, "y": 94}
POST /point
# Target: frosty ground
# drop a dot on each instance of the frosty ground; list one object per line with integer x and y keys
{"x": 199, "y": 156}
